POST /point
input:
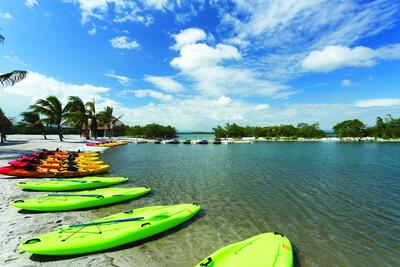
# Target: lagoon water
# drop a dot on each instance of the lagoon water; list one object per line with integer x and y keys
{"x": 338, "y": 203}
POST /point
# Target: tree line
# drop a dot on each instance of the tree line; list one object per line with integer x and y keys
{"x": 50, "y": 113}
{"x": 301, "y": 130}
{"x": 152, "y": 130}
{"x": 385, "y": 128}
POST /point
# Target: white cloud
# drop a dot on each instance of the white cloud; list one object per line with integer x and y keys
{"x": 194, "y": 56}
{"x": 31, "y": 3}
{"x": 188, "y": 36}
{"x": 223, "y": 101}
{"x": 345, "y": 83}
{"x": 152, "y": 93}
{"x": 123, "y": 42}
{"x": 123, "y": 10}
{"x": 197, "y": 113}
{"x": 308, "y": 22}
{"x": 124, "y": 80}
{"x": 165, "y": 83}
{"x": 283, "y": 32}
{"x": 378, "y": 102}
{"x": 6, "y": 16}
{"x": 214, "y": 72}
{"x": 203, "y": 113}
{"x": 237, "y": 41}
{"x": 333, "y": 57}
{"x": 157, "y": 4}
{"x": 13, "y": 58}
{"x": 18, "y": 97}
{"x": 92, "y": 31}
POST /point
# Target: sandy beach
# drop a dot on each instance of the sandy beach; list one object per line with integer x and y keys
{"x": 17, "y": 225}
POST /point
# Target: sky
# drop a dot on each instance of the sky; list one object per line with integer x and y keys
{"x": 198, "y": 64}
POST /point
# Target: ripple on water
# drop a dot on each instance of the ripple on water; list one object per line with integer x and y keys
{"x": 338, "y": 203}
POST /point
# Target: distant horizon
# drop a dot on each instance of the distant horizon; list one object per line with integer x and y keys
{"x": 193, "y": 64}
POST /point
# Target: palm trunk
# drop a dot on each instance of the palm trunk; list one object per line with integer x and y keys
{"x": 59, "y": 132}
{"x": 44, "y": 133}
{"x": 94, "y": 128}
{"x": 2, "y": 139}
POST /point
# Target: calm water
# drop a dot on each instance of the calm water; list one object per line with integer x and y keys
{"x": 339, "y": 203}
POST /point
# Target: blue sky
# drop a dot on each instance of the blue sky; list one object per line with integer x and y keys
{"x": 197, "y": 64}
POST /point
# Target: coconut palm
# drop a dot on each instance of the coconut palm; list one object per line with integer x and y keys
{"x": 91, "y": 109}
{"x": 5, "y": 123}
{"x": 77, "y": 115}
{"x": 107, "y": 118}
{"x": 12, "y": 77}
{"x": 52, "y": 109}
{"x": 32, "y": 120}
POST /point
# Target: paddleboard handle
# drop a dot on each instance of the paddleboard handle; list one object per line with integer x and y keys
{"x": 276, "y": 233}
{"x": 104, "y": 222}
{"x": 209, "y": 260}
{"x": 76, "y": 195}
{"x": 144, "y": 224}
{"x": 32, "y": 241}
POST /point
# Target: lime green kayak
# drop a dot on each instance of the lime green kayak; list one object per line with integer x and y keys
{"x": 265, "y": 250}
{"x": 72, "y": 183}
{"x": 111, "y": 231}
{"x": 80, "y": 199}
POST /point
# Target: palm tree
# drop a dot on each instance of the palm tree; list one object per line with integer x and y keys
{"x": 52, "y": 109}
{"x": 11, "y": 77}
{"x": 91, "y": 108}
{"x": 5, "y": 123}
{"x": 32, "y": 120}
{"x": 77, "y": 115}
{"x": 107, "y": 118}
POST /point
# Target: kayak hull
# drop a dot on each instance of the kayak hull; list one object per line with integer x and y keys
{"x": 265, "y": 250}
{"x": 87, "y": 239}
{"x": 72, "y": 183}
{"x": 86, "y": 171}
{"x": 80, "y": 200}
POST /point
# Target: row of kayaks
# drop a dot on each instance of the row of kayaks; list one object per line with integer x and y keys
{"x": 56, "y": 163}
{"x": 268, "y": 249}
{"x": 107, "y": 143}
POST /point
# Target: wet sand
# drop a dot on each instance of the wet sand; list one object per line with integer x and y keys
{"x": 17, "y": 225}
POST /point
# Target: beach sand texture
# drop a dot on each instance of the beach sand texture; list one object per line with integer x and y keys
{"x": 17, "y": 225}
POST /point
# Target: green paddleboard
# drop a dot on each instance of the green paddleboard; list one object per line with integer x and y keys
{"x": 71, "y": 184}
{"x": 111, "y": 231}
{"x": 80, "y": 199}
{"x": 265, "y": 250}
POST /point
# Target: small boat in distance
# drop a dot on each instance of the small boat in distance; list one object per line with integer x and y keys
{"x": 202, "y": 142}
{"x": 217, "y": 141}
{"x": 187, "y": 142}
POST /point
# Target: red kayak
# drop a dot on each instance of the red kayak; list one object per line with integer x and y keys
{"x": 42, "y": 172}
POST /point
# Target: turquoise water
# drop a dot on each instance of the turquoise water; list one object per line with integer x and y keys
{"x": 339, "y": 203}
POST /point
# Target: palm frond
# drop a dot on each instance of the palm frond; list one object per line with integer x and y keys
{"x": 12, "y": 77}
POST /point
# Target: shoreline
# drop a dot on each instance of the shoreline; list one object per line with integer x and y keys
{"x": 18, "y": 226}
{"x": 252, "y": 140}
